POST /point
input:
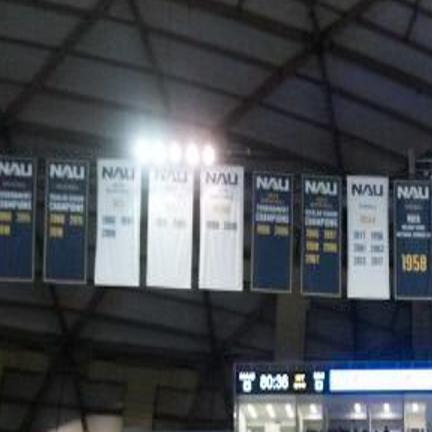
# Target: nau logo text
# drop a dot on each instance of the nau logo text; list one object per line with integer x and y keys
{"x": 273, "y": 183}
{"x": 118, "y": 173}
{"x": 321, "y": 187}
{"x": 67, "y": 171}
{"x": 16, "y": 169}
{"x": 367, "y": 189}
{"x": 172, "y": 176}
{"x": 413, "y": 192}
{"x": 222, "y": 178}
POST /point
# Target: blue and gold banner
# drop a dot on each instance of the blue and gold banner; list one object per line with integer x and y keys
{"x": 321, "y": 236}
{"x": 412, "y": 240}
{"x": 272, "y": 232}
{"x": 17, "y": 217}
{"x": 66, "y": 205}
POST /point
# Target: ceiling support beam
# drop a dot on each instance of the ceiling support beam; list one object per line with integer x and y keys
{"x": 327, "y": 88}
{"x": 412, "y": 20}
{"x": 289, "y": 68}
{"x": 150, "y": 53}
{"x": 65, "y": 342}
{"x": 72, "y": 38}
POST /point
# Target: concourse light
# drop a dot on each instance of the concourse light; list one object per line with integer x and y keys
{"x": 140, "y": 151}
{"x": 357, "y": 408}
{"x": 159, "y": 154}
{"x": 415, "y": 407}
{"x": 270, "y": 411}
{"x": 386, "y": 407}
{"x": 208, "y": 155}
{"x": 289, "y": 411}
{"x": 252, "y": 411}
{"x": 175, "y": 153}
{"x": 192, "y": 155}
{"x": 313, "y": 408}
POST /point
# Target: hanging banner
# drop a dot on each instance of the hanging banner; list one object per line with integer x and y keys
{"x": 169, "y": 227}
{"x": 412, "y": 240}
{"x": 272, "y": 228}
{"x": 221, "y": 229}
{"x": 118, "y": 223}
{"x": 321, "y": 236}
{"x": 368, "y": 247}
{"x": 66, "y": 203}
{"x": 17, "y": 218}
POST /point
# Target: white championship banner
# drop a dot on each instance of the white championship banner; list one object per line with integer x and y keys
{"x": 118, "y": 223}
{"x": 221, "y": 229}
{"x": 368, "y": 243}
{"x": 169, "y": 228}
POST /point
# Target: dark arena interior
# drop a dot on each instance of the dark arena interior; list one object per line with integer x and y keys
{"x": 215, "y": 215}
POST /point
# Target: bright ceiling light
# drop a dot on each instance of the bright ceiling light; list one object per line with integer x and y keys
{"x": 175, "y": 153}
{"x": 289, "y": 411}
{"x": 357, "y": 408}
{"x": 208, "y": 155}
{"x": 159, "y": 154}
{"x": 251, "y": 411}
{"x": 386, "y": 407}
{"x": 192, "y": 155}
{"x": 270, "y": 411}
{"x": 313, "y": 409}
{"x": 415, "y": 407}
{"x": 140, "y": 151}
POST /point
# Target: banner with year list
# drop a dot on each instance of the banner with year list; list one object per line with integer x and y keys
{"x": 412, "y": 239}
{"x": 118, "y": 223}
{"x": 66, "y": 204}
{"x": 221, "y": 228}
{"x": 272, "y": 228}
{"x": 321, "y": 236}
{"x": 17, "y": 219}
{"x": 368, "y": 245}
{"x": 169, "y": 227}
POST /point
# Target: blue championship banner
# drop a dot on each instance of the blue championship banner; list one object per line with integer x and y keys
{"x": 321, "y": 236}
{"x": 272, "y": 232}
{"x": 17, "y": 218}
{"x": 412, "y": 240}
{"x": 66, "y": 203}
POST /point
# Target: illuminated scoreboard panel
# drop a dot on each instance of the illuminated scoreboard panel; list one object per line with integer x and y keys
{"x": 265, "y": 379}
{"x": 281, "y": 381}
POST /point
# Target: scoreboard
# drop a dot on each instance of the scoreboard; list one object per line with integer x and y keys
{"x": 272, "y": 379}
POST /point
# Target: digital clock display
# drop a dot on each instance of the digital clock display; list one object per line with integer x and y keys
{"x": 281, "y": 381}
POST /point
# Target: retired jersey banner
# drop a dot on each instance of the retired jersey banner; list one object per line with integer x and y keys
{"x": 169, "y": 227}
{"x": 272, "y": 232}
{"x": 66, "y": 203}
{"x": 412, "y": 240}
{"x": 17, "y": 218}
{"x": 118, "y": 223}
{"x": 368, "y": 246}
{"x": 221, "y": 229}
{"x": 321, "y": 236}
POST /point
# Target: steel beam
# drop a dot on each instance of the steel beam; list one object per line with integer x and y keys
{"x": 72, "y": 38}
{"x": 290, "y": 67}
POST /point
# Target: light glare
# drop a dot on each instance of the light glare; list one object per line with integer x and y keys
{"x": 357, "y": 408}
{"x": 289, "y": 411}
{"x": 192, "y": 155}
{"x": 270, "y": 411}
{"x": 415, "y": 407}
{"x": 159, "y": 154}
{"x": 386, "y": 407}
{"x": 175, "y": 153}
{"x": 313, "y": 409}
{"x": 208, "y": 155}
{"x": 252, "y": 411}
{"x": 140, "y": 151}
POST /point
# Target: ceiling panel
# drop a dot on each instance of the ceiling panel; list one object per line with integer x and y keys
{"x": 124, "y": 43}
{"x": 34, "y": 24}
{"x": 213, "y": 29}
{"x": 7, "y": 93}
{"x": 106, "y": 82}
{"x": 389, "y": 15}
{"x": 208, "y": 68}
{"x": 380, "y": 90}
{"x": 19, "y": 63}
{"x": 288, "y": 134}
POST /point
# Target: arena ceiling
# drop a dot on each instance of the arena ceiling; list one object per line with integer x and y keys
{"x": 335, "y": 86}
